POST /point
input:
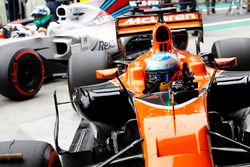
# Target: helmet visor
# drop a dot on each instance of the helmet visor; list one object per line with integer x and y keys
{"x": 37, "y": 17}
{"x": 40, "y": 20}
{"x": 160, "y": 76}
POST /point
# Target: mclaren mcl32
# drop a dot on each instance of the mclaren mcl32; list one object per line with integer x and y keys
{"x": 169, "y": 107}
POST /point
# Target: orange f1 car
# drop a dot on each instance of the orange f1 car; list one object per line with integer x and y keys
{"x": 166, "y": 108}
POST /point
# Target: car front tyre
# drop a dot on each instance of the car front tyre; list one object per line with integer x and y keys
{"x": 24, "y": 77}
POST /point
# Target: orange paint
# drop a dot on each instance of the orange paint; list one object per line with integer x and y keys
{"x": 174, "y": 135}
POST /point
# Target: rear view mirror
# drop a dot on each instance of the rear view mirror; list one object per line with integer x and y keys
{"x": 225, "y": 62}
{"x": 107, "y": 73}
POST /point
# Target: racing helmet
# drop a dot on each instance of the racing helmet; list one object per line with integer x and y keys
{"x": 160, "y": 71}
{"x": 42, "y": 16}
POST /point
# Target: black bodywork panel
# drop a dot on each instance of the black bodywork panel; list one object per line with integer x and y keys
{"x": 105, "y": 102}
{"x": 228, "y": 106}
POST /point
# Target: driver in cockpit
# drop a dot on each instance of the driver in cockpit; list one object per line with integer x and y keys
{"x": 42, "y": 18}
{"x": 161, "y": 70}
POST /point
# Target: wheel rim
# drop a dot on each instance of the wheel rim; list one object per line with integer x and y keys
{"x": 28, "y": 73}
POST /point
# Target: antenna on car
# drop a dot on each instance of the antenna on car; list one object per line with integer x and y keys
{"x": 212, "y": 78}
{"x": 130, "y": 99}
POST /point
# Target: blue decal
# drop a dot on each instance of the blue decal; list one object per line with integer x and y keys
{"x": 163, "y": 56}
{"x": 108, "y": 4}
{"x": 121, "y": 11}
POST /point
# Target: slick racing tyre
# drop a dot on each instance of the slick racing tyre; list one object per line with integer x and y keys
{"x": 22, "y": 75}
{"x": 28, "y": 153}
{"x": 234, "y": 47}
{"x": 82, "y": 68}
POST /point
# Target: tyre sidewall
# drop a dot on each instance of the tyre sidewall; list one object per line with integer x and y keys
{"x": 12, "y": 87}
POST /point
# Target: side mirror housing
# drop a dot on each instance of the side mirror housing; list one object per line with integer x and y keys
{"x": 107, "y": 73}
{"x": 225, "y": 62}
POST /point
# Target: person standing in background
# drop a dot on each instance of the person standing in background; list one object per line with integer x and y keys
{"x": 185, "y": 4}
{"x": 210, "y": 7}
{"x": 52, "y": 5}
{"x": 15, "y": 9}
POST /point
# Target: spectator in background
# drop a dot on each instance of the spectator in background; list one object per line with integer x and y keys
{"x": 210, "y": 7}
{"x": 15, "y": 9}
{"x": 191, "y": 4}
{"x": 185, "y": 4}
{"x": 52, "y": 5}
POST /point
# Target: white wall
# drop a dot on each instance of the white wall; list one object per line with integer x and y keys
{"x": 3, "y": 17}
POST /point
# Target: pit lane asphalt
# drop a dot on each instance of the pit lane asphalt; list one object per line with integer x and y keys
{"x": 34, "y": 119}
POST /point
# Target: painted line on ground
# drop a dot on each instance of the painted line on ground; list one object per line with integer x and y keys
{"x": 226, "y": 24}
{"x": 217, "y": 9}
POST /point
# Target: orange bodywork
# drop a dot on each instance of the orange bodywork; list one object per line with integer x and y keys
{"x": 182, "y": 141}
{"x": 174, "y": 135}
{"x": 133, "y": 25}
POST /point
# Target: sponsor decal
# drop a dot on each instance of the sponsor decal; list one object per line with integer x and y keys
{"x": 102, "y": 19}
{"x": 144, "y": 3}
{"x": 161, "y": 56}
{"x": 78, "y": 9}
{"x": 153, "y": 19}
{"x": 115, "y": 7}
{"x": 102, "y": 45}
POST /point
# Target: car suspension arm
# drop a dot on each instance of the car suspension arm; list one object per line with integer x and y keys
{"x": 108, "y": 161}
{"x": 125, "y": 159}
{"x": 243, "y": 146}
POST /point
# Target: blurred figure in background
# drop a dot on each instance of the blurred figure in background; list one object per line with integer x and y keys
{"x": 52, "y": 5}
{"x": 185, "y": 4}
{"x": 15, "y": 9}
{"x": 210, "y": 7}
{"x": 191, "y": 4}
